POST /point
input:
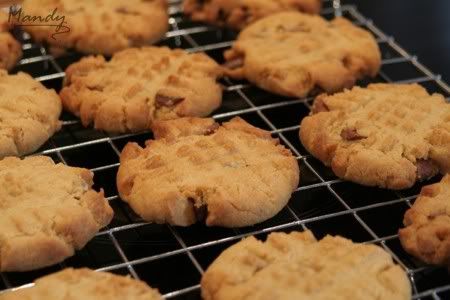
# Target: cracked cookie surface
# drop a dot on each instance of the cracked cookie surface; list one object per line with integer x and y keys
{"x": 85, "y": 284}
{"x": 141, "y": 85}
{"x": 232, "y": 175}
{"x": 101, "y": 26}
{"x": 292, "y": 53}
{"x": 46, "y": 212}
{"x": 385, "y": 135}
{"x": 238, "y": 14}
{"x": 10, "y": 48}
{"x": 427, "y": 225}
{"x": 29, "y": 114}
{"x": 297, "y": 266}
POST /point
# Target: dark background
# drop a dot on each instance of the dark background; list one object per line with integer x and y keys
{"x": 422, "y": 27}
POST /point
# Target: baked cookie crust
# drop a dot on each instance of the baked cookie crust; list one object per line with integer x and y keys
{"x": 427, "y": 224}
{"x": 292, "y": 53}
{"x": 141, "y": 85}
{"x": 29, "y": 114}
{"x": 47, "y": 211}
{"x": 385, "y": 135}
{"x": 238, "y": 14}
{"x": 102, "y": 26}
{"x": 85, "y": 284}
{"x": 297, "y": 266}
{"x": 10, "y": 48}
{"x": 232, "y": 175}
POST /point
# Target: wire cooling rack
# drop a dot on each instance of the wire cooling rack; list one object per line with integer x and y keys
{"x": 173, "y": 259}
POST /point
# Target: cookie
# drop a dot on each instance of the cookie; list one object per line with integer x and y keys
{"x": 385, "y": 135}
{"x": 47, "y": 211}
{"x": 141, "y": 85}
{"x": 85, "y": 284}
{"x": 292, "y": 53}
{"x": 232, "y": 175}
{"x": 10, "y": 48}
{"x": 427, "y": 225}
{"x": 238, "y": 14}
{"x": 28, "y": 114}
{"x": 297, "y": 266}
{"x": 98, "y": 27}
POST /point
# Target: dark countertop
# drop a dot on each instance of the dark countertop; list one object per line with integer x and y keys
{"x": 421, "y": 27}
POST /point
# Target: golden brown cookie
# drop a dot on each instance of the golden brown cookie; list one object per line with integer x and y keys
{"x": 29, "y": 114}
{"x": 427, "y": 225}
{"x": 46, "y": 212}
{"x": 297, "y": 266}
{"x": 10, "y": 48}
{"x": 385, "y": 135}
{"x": 141, "y": 85}
{"x": 98, "y": 27}
{"x": 291, "y": 53}
{"x": 195, "y": 170}
{"x": 85, "y": 284}
{"x": 238, "y": 14}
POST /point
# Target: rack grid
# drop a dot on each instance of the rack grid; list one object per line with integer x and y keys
{"x": 173, "y": 259}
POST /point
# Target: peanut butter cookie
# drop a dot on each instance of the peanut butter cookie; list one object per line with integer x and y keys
{"x": 84, "y": 284}
{"x": 195, "y": 170}
{"x": 238, "y": 14}
{"x": 297, "y": 266}
{"x": 385, "y": 135}
{"x": 29, "y": 114}
{"x": 291, "y": 53}
{"x": 10, "y": 48}
{"x": 47, "y": 212}
{"x": 426, "y": 235}
{"x": 141, "y": 85}
{"x": 98, "y": 27}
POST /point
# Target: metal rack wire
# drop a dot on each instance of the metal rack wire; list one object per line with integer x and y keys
{"x": 172, "y": 258}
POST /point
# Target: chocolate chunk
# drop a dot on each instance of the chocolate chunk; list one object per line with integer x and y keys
{"x": 166, "y": 101}
{"x": 234, "y": 64}
{"x": 212, "y": 129}
{"x": 351, "y": 134}
{"x": 426, "y": 169}
{"x": 319, "y": 106}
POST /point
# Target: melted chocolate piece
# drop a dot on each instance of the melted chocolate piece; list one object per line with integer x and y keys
{"x": 351, "y": 134}
{"x": 166, "y": 101}
{"x": 212, "y": 129}
{"x": 426, "y": 169}
{"x": 320, "y": 106}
